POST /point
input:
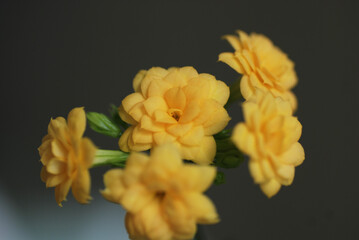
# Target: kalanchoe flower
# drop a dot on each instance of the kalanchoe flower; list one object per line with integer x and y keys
{"x": 162, "y": 195}
{"x": 262, "y": 65}
{"x": 176, "y": 106}
{"x": 270, "y": 137}
{"x": 67, "y": 156}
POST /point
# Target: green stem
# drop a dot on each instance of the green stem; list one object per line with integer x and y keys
{"x": 115, "y": 158}
{"x": 235, "y": 93}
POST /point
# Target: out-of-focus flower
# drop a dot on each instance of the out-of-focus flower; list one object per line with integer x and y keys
{"x": 263, "y": 66}
{"x": 176, "y": 106}
{"x": 67, "y": 156}
{"x": 270, "y": 137}
{"x": 164, "y": 197}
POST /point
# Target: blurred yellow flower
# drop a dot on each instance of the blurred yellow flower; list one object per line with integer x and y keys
{"x": 263, "y": 66}
{"x": 164, "y": 197}
{"x": 67, "y": 156}
{"x": 270, "y": 137}
{"x": 176, "y": 106}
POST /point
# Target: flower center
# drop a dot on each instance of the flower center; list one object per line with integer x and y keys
{"x": 160, "y": 194}
{"x": 175, "y": 113}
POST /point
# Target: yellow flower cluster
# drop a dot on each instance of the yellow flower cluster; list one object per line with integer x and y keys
{"x": 262, "y": 65}
{"x": 270, "y": 133}
{"x": 178, "y": 106}
{"x": 162, "y": 195}
{"x": 66, "y": 157}
{"x": 270, "y": 137}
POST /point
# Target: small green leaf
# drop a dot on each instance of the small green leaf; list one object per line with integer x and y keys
{"x": 102, "y": 124}
{"x": 220, "y": 178}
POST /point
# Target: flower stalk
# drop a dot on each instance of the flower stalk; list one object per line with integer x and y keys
{"x": 235, "y": 93}
{"x": 115, "y": 158}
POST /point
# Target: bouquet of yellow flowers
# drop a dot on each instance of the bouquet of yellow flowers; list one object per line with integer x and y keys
{"x": 180, "y": 116}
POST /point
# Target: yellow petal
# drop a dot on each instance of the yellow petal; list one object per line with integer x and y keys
{"x": 292, "y": 99}
{"x": 188, "y": 72}
{"x": 153, "y": 74}
{"x": 267, "y": 169}
{"x": 167, "y": 157}
{"x": 197, "y": 89}
{"x": 270, "y": 188}
{"x": 284, "y": 107}
{"x": 137, "y": 112}
{"x": 243, "y": 62}
{"x": 131, "y": 100}
{"x": 191, "y": 111}
{"x": 77, "y": 122}
{"x": 203, "y": 153}
{"x": 61, "y": 191}
{"x": 293, "y": 130}
{"x": 81, "y": 186}
{"x": 175, "y": 78}
{"x": 220, "y": 92}
{"x": 256, "y": 171}
{"x": 164, "y": 117}
{"x": 234, "y": 41}
{"x": 54, "y": 180}
{"x": 232, "y": 61}
{"x": 179, "y": 130}
{"x": 286, "y": 174}
{"x": 158, "y": 87}
{"x": 89, "y": 152}
{"x": 148, "y": 224}
{"x": 163, "y": 137}
{"x": 149, "y": 124}
{"x": 58, "y": 129}
{"x": 123, "y": 141}
{"x": 136, "y": 198}
{"x": 179, "y": 217}
{"x": 46, "y": 156}
{"x": 141, "y": 135}
{"x": 114, "y": 188}
{"x": 152, "y": 104}
{"x": 196, "y": 178}
{"x": 55, "y": 166}
{"x": 295, "y": 155}
{"x": 245, "y": 39}
{"x": 138, "y": 147}
{"x": 246, "y": 89}
{"x": 175, "y": 98}
{"x": 45, "y": 145}
{"x": 135, "y": 165}
{"x": 244, "y": 140}
{"x": 193, "y": 137}
{"x": 202, "y": 208}
{"x": 217, "y": 122}
{"x": 58, "y": 149}
{"x": 125, "y": 116}
{"x": 138, "y": 79}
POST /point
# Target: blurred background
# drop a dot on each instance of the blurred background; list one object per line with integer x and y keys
{"x": 56, "y": 55}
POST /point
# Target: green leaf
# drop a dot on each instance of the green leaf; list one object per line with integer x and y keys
{"x": 102, "y": 124}
{"x": 220, "y": 178}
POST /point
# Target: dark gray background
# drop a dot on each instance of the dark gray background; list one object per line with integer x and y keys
{"x": 56, "y": 55}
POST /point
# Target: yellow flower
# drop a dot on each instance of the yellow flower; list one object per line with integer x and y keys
{"x": 176, "y": 106}
{"x": 67, "y": 156}
{"x": 263, "y": 66}
{"x": 270, "y": 137}
{"x": 164, "y": 197}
